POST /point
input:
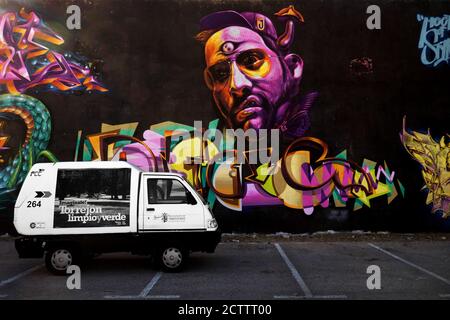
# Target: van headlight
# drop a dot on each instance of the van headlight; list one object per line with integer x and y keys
{"x": 212, "y": 223}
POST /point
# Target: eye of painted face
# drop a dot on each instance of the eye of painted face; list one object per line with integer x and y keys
{"x": 220, "y": 71}
{"x": 254, "y": 63}
{"x": 251, "y": 60}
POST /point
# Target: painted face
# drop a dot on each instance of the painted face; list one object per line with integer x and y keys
{"x": 247, "y": 79}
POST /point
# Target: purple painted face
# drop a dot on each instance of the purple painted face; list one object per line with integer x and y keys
{"x": 252, "y": 86}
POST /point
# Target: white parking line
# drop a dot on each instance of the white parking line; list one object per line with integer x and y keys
{"x": 3, "y": 296}
{"x": 144, "y": 293}
{"x": 434, "y": 275}
{"x": 150, "y": 285}
{"x": 20, "y": 275}
{"x": 294, "y": 272}
{"x": 445, "y": 295}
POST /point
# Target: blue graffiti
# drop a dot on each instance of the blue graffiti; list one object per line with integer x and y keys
{"x": 434, "y": 39}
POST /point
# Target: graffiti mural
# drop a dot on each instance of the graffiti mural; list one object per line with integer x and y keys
{"x": 16, "y": 159}
{"x": 360, "y": 67}
{"x": 254, "y": 79}
{"x": 272, "y": 114}
{"x": 26, "y": 62}
{"x": 296, "y": 181}
{"x": 253, "y": 76}
{"x": 434, "y": 40}
{"x": 25, "y": 122}
{"x": 434, "y": 157}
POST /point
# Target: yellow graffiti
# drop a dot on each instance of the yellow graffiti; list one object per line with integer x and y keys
{"x": 435, "y": 160}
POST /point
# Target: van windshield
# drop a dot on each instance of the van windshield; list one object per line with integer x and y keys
{"x": 201, "y": 197}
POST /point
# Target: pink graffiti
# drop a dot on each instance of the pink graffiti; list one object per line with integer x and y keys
{"x": 25, "y": 62}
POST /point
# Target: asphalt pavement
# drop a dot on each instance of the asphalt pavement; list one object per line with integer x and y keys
{"x": 248, "y": 270}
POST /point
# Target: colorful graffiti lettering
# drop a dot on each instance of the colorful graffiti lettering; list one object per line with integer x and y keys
{"x": 434, "y": 39}
{"x": 25, "y": 62}
{"x": 434, "y": 157}
{"x": 296, "y": 180}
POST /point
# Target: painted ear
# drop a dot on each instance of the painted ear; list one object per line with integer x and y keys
{"x": 295, "y": 65}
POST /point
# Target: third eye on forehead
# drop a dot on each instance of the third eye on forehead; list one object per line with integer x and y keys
{"x": 228, "y": 47}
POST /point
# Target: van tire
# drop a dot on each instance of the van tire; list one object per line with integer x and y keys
{"x": 59, "y": 258}
{"x": 172, "y": 258}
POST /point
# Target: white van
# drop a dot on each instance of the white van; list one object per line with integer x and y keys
{"x": 73, "y": 210}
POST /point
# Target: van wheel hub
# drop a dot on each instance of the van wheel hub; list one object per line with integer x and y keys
{"x": 172, "y": 257}
{"x": 61, "y": 259}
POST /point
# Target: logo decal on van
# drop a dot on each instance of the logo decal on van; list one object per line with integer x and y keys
{"x": 37, "y": 225}
{"x": 163, "y": 217}
{"x": 36, "y": 173}
{"x": 171, "y": 218}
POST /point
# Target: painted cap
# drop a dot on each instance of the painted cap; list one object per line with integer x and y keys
{"x": 250, "y": 20}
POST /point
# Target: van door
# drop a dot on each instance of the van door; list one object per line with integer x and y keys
{"x": 167, "y": 207}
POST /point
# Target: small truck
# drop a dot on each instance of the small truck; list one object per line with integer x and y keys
{"x": 70, "y": 211}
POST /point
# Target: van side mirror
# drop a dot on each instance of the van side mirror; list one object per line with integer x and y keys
{"x": 190, "y": 198}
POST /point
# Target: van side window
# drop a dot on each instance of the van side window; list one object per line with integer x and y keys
{"x": 112, "y": 184}
{"x": 166, "y": 191}
{"x": 92, "y": 198}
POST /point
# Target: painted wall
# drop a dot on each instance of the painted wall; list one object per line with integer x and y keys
{"x": 352, "y": 104}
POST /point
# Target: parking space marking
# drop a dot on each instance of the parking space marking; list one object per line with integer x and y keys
{"x": 144, "y": 293}
{"x": 150, "y": 285}
{"x": 20, "y": 275}
{"x": 339, "y": 296}
{"x": 434, "y": 275}
{"x": 3, "y": 296}
{"x": 294, "y": 272}
{"x": 445, "y": 295}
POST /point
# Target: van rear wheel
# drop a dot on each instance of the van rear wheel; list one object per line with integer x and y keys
{"x": 173, "y": 258}
{"x": 58, "y": 259}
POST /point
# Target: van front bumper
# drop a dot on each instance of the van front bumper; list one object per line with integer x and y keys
{"x": 213, "y": 238}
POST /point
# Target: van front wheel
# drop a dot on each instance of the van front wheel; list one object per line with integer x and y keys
{"x": 173, "y": 258}
{"x": 58, "y": 259}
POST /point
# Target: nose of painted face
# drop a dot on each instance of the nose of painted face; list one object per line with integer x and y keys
{"x": 238, "y": 81}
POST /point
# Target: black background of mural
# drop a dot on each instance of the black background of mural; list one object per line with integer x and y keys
{"x": 152, "y": 66}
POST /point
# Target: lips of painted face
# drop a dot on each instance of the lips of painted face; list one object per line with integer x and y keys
{"x": 245, "y": 77}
